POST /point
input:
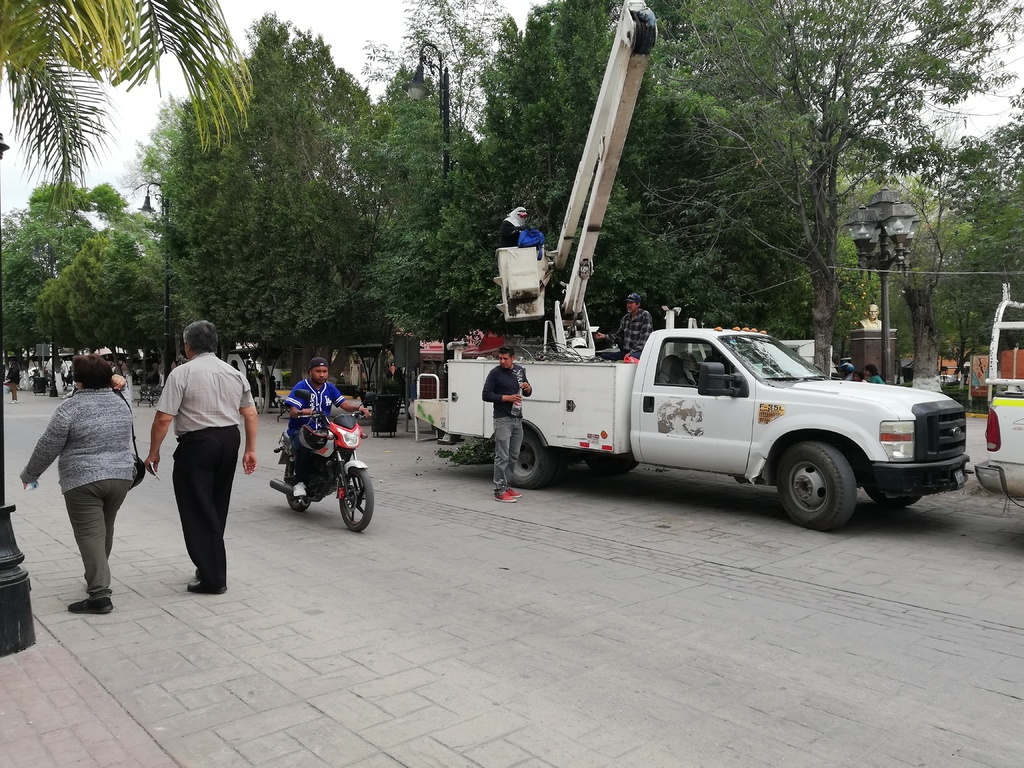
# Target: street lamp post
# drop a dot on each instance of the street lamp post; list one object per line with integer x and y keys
{"x": 51, "y": 262}
{"x": 882, "y": 231}
{"x": 165, "y": 206}
{"x": 17, "y": 631}
{"x": 418, "y": 90}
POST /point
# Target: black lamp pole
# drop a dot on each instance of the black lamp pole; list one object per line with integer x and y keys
{"x": 16, "y": 629}
{"x": 165, "y": 205}
{"x": 889, "y": 224}
{"x": 417, "y": 90}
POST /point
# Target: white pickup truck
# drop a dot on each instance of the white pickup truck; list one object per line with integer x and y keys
{"x": 734, "y": 402}
{"x": 1003, "y": 473}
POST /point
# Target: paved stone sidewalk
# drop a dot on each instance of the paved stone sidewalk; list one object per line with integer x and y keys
{"x": 661, "y": 619}
{"x": 53, "y": 713}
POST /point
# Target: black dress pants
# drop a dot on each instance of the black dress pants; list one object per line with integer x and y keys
{"x": 204, "y": 468}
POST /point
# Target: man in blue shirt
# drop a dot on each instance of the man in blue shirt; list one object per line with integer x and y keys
{"x": 323, "y": 395}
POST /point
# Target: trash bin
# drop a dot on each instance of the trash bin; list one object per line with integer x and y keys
{"x": 385, "y": 414}
{"x": 39, "y": 385}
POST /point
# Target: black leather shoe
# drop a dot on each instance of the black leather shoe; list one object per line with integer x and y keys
{"x": 205, "y": 589}
{"x": 97, "y": 605}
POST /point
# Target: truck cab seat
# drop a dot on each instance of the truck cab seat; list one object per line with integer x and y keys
{"x": 677, "y": 370}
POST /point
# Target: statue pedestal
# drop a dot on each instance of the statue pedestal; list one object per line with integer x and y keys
{"x": 866, "y": 347}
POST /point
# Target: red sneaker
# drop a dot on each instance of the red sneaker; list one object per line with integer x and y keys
{"x": 506, "y": 496}
{"x": 515, "y": 494}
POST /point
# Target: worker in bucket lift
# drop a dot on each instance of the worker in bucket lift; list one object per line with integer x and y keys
{"x": 511, "y": 226}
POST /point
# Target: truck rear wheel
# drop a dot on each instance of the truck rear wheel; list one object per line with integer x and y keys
{"x": 539, "y": 465}
{"x": 890, "y": 502}
{"x": 817, "y": 486}
{"x": 610, "y": 465}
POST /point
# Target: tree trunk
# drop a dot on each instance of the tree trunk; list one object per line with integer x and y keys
{"x": 826, "y": 305}
{"x": 926, "y": 337}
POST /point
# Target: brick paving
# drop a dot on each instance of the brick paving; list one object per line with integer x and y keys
{"x": 54, "y": 713}
{"x": 654, "y": 619}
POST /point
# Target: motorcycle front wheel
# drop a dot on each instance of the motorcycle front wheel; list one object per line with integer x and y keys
{"x": 357, "y": 504}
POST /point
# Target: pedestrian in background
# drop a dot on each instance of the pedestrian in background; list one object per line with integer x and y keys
{"x": 871, "y": 374}
{"x": 505, "y": 386}
{"x": 92, "y": 435}
{"x": 204, "y": 398}
{"x": 13, "y": 378}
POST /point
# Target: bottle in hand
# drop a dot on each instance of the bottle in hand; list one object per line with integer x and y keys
{"x": 517, "y": 410}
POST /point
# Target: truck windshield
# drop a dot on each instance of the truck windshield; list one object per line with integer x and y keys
{"x": 771, "y": 360}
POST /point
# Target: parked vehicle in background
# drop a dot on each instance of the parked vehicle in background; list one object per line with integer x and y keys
{"x": 735, "y": 402}
{"x": 1003, "y": 472}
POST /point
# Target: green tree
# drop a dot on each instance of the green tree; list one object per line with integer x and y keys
{"x": 23, "y": 280}
{"x": 817, "y": 94}
{"x": 266, "y": 239}
{"x": 125, "y": 281}
{"x": 678, "y": 249}
{"x": 989, "y": 190}
{"x": 432, "y": 247}
{"x": 27, "y": 237}
{"x": 55, "y": 59}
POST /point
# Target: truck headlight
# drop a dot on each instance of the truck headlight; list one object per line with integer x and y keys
{"x": 897, "y": 438}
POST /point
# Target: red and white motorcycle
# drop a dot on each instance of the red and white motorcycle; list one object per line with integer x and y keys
{"x": 334, "y": 469}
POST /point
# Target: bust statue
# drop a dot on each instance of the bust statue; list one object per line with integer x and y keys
{"x": 872, "y": 321}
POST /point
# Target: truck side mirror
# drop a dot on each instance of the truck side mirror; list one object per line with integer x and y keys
{"x": 715, "y": 381}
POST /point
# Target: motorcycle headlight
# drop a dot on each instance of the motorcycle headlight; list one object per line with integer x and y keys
{"x": 897, "y": 439}
{"x": 351, "y": 439}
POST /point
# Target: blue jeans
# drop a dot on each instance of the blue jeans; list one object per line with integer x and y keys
{"x": 508, "y": 438}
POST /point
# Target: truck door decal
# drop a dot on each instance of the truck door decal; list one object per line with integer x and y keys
{"x": 680, "y": 418}
{"x": 769, "y": 412}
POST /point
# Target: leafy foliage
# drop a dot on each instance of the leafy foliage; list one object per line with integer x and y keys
{"x": 108, "y": 289}
{"x": 814, "y": 95}
{"x": 470, "y": 453}
{"x": 268, "y": 241}
{"x": 56, "y": 58}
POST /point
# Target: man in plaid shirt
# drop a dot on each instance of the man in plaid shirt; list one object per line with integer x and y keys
{"x": 635, "y": 327}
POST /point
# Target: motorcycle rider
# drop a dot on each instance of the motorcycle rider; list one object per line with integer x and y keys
{"x": 323, "y": 395}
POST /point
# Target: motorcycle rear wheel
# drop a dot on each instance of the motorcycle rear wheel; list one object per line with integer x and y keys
{"x": 357, "y": 504}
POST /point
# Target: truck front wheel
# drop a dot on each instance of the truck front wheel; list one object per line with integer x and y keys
{"x": 539, "y": 465}
{"x": 817, "y": 486}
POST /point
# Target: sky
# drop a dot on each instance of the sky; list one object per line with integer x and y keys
{"x": 346, "y": 26}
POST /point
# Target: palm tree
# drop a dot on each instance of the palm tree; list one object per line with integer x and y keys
{"x": 58, "y": 56}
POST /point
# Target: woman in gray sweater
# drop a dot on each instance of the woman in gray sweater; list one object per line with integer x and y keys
{"x": 92, "y": 435}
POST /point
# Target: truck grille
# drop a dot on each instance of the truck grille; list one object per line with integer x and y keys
{"x": 940, "y": 431}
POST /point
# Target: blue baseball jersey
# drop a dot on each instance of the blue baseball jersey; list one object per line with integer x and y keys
{"x": 320, "y": 400}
